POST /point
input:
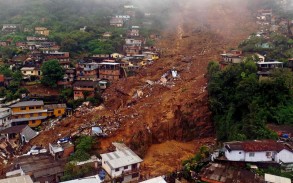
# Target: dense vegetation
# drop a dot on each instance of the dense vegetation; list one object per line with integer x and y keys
{"x": 84, "y": 146}
{"x": 65, "y": 18}
{"x": 242, "y": 104}
{"x": 277, "y": 47}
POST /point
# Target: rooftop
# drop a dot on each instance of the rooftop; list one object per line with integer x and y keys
{"x": 215, "y": 172}
{"x": 40, "y": 165}
{"x": 123, "y": 156}
{"x": 54, "y": 106}
{"x": 92, "y": 179}
{"x": 256, "y": 145}
{"x": 28, "y": 103}
{"x": 19, "y": 179}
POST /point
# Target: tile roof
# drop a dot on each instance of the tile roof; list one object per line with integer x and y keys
{"x": 256, "y": 145}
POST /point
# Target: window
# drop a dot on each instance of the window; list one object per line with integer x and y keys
{"x": 59, "y": 111}
{"x": 251, "y": 154}
{"x": 31, "y": 107}
{"x": 31, "y": 72}
{"x": 38, "y": 107}
{"x": 33, "y": 121}
{"x": 126, "y": 167}
{"x": 23, "y": 108}
{"x": 31, "y": 115}
{"x": 117, "y": 169}
{"x": 24, "y": 72}
{"x": 268, "y": 154}
{"x": 40, "y": 114}
{"x": 239, "y": 152}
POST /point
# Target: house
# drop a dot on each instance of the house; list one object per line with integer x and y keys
{"x": 82, "y": 89}
{"x": 69, "y": 78}
{"x": 10, "y": 28}
{"x": 265, "y": 68}
{"x": 56, "y": 110}
{"x": 131, "y": 50}
{"x": 5, "y": 117}
{"x": 61, "y": 150}
{"x": 42, "y": 167}
{"x": 231, "y": 57}
{"x": 107, "y": 35}
{"x": 133, "y": 32}
{"x": 34, "y": 38}
{"x": 89, "y": 72}
{"x": 42, "y": 31}
{"x": 261, "y": 58}
{"x": 122, "y": 164}
{"x": 91, "y": 179}
{"x": 29, "y": 72}
{"x": 18, "y": 179}
{"x": 28, "y": 112}
{"x": 110, "y": 71}
{"x": 259, "y": 151}
{"x": 155, "y": 180}
{"x": 222, "y": 173}
{"x": 269, "y": 178}
{"x": 116, "y": 55}
{"x": 123, "y": 17}
{"x": 19, "y": 134}
{"x": 116, "y": 22}
{"x": 60, "y": 56}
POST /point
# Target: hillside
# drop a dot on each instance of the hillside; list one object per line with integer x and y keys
{"x": 172, "y": 112}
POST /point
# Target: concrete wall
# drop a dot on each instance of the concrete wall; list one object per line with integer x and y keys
{"x": 284, "y": 156}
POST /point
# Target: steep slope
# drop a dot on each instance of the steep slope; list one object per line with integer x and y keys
{"x": 146, "y": 109}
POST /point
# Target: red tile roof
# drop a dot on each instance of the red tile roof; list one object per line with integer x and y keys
{"x": 258, "y": 145}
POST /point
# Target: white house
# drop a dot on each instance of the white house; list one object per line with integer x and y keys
{"x": 259, "y": 151}
{"x": 5, "y": 117}
{"x": 122, "y": 164}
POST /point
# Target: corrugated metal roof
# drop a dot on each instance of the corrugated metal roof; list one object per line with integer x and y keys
{"x": 121, "y": 158}
{"x": 28, "y": 103}
{"x": 92, "y": 179}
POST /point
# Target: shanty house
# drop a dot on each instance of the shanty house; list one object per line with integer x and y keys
{"x": 122, "y": 164}
{"x": 5, "y": 117}
{"x": 110, "y": 71}
{"x": 19, "y": 134}
{"x": 56, "y": 110}
{"x": 81, "y": 88}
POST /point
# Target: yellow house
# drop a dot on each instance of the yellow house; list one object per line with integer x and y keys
{"x": 30, "y": 71}
{"x": 42, "y": 30}
{"x": 56, "y": 110}
{"x": 151, "y": 55}
{"x": 28, "y": 112}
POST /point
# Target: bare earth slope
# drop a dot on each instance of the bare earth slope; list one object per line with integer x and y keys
{"x": 174, "y": 116}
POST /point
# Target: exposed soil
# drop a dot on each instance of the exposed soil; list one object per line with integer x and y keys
{"x": 169, "y": 122}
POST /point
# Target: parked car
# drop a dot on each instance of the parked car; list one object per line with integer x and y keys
{"x": 64, "y": 140}
{"x": 37, "y": 150}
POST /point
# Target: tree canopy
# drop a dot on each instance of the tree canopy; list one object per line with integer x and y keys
{"x": 52, "y": 72}
{"x": 242, "y": 104}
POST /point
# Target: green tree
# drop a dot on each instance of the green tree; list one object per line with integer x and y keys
{"x": 52, "y": 72}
